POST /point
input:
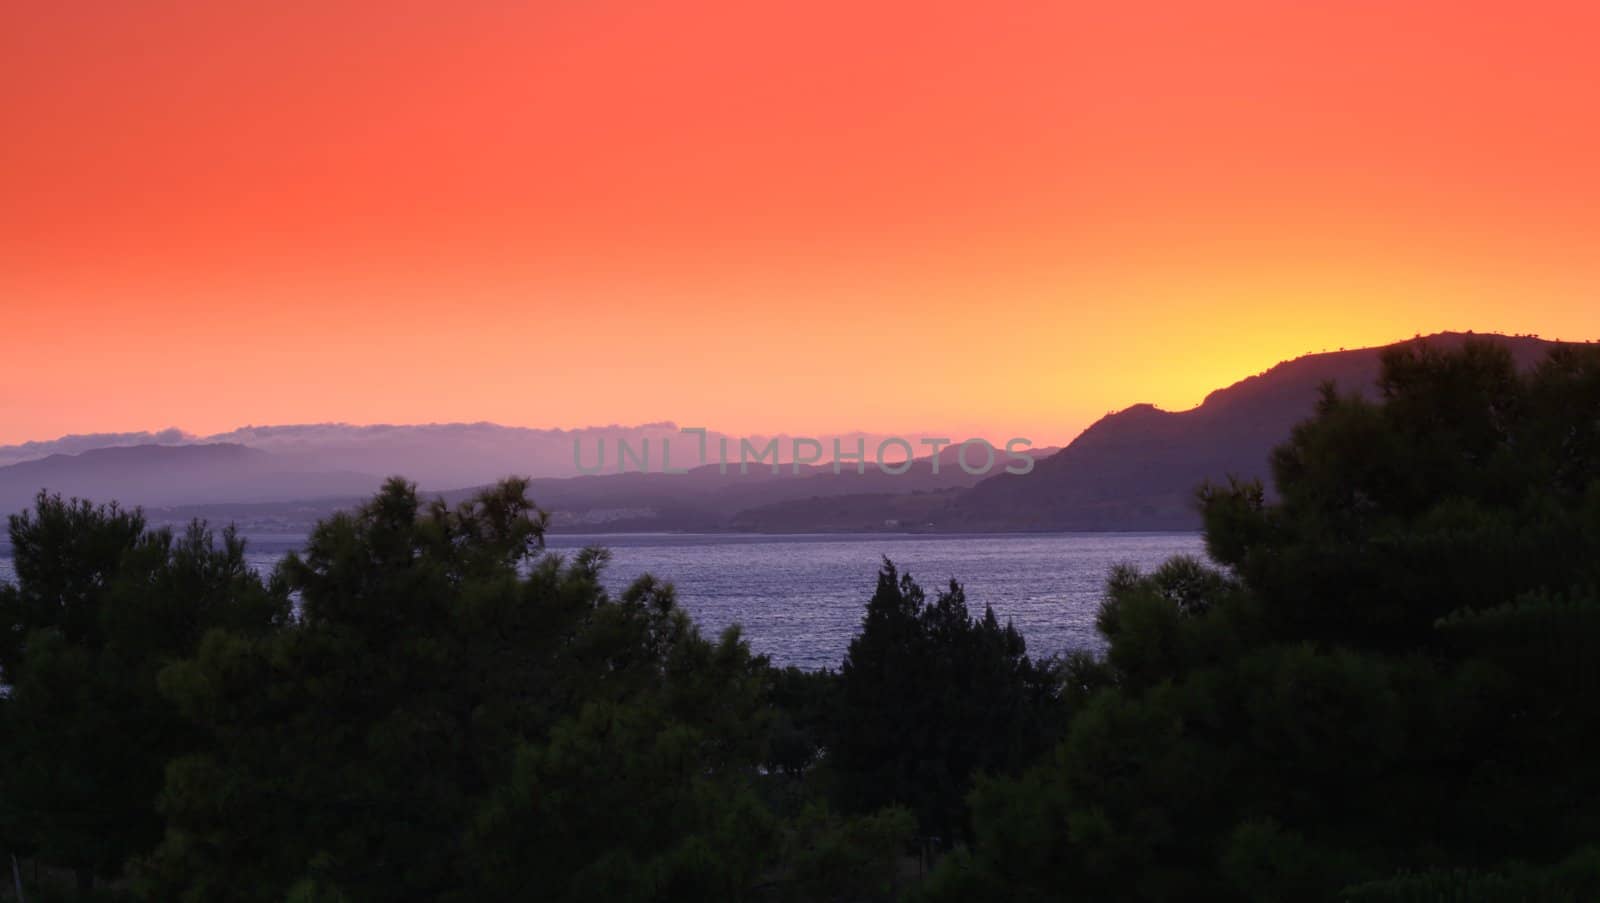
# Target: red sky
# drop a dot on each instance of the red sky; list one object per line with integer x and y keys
{"x": 999, "y": 219}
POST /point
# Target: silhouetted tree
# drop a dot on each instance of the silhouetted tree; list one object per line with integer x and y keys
{"x": 101, "y": 604}
{"x": 928, "y": 696}
{"x": 1390, "y": 675}
{"x": 457, "y": 716}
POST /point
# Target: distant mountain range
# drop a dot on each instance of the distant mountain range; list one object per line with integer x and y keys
{"x": 175, "y": 475}
{"x": 1132, "y": 470}
{"x": 435, "y": 455}
{"x": 285, "y": 490}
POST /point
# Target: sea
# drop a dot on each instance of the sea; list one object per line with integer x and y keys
{"x": 800, "y": 598}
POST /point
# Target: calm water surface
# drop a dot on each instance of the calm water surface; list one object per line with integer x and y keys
{"x": 800, "y": 598}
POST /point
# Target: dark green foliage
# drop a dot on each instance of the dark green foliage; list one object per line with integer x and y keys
{"x": 929, "y": 696}
{"x": 1575, "y": 879}
{"x": 829, "y": 857}
{"x": 449, "y": 715}
{"x": 444, "y": 677}
{"x": 1392, "y": 675}
{"x": 101, "y": 605}
{"x": 66, "y": 555}
{"x": 800, "y": 706}
{"x": 345, "y": 748}
{"x": 1463, "y": 487}
{"x": 622, "y": 803}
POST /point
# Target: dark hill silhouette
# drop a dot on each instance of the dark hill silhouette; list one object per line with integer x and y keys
{"x": 1137, "y": 469}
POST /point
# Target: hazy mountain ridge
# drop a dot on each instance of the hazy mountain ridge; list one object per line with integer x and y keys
{"x": 1135, "y": 469}
{"x": 82, "y": 442}
{"x": 439, "y": 456}
{"x": 436, "y": 455}
{"x": 228, "y": 482}
{"x": 175, "y": 475}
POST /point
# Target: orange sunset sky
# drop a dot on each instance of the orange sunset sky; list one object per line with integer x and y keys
{"x": 983, "y": 218}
